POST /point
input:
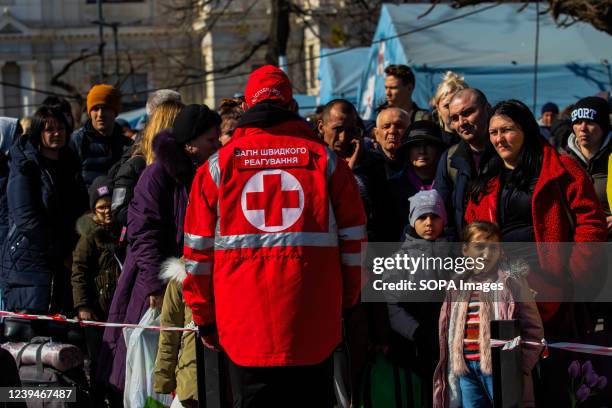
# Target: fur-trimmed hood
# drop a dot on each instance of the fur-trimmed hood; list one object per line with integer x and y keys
{"x": 173, "y": 158}
{"x": 103, "y": 235}
{"x": 86, "y": 225}
{"x": 173, "y": 269}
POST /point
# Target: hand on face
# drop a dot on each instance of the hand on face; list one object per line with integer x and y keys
{"x": 339, "y": 130}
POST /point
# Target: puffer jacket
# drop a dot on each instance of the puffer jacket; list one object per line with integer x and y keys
{"x": 175, "y": 365}
{"x": 94, "y": 268}
{"x": 414, "y": 324}
{"x": 8, "y": 128}
{"x": 155, "y": 232}
{"x": 97, "y": 153}
{"x": 513, "y": 302}
{"x": 45, "y": 198}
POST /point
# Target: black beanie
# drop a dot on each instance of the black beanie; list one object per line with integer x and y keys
{"x": 192, "y": 121}
{"x": 101, "y": 187}
{"x": 595, "y": 109}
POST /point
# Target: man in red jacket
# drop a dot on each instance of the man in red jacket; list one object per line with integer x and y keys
{"x": 273, "y": 237}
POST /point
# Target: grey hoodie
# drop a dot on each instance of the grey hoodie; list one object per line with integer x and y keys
{"x": 597, "y": 167}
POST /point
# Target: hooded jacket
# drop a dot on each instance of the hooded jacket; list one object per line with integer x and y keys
{"x": 97, "y": 153}
{"x": 94, "y": 268}
{"x": 8, "y": 127}
{"x": 275, "y": 220}
{"x": 44, "y": 200}
{"x": 597, "y": 167}
{"x": 513, "y": 302}
{"x": 175, "y": 365}
{"x": 155, "y": 232}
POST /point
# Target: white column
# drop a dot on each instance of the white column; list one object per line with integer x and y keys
{"x": 27, "y": 80}
{"x": 42, "y": 77}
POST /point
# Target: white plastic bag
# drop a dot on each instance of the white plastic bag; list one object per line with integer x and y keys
{"x": 140, "y": 362}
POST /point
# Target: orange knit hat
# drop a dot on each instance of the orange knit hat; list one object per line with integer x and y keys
{"x": 106, "y": 95}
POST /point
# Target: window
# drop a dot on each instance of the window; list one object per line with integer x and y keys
{"x": 132, "y": 89}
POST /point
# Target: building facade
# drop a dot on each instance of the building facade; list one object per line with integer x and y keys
{"x": 204, "y": 49}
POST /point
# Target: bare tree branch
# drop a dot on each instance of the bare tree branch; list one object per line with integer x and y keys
{"x": 71, "y": 89}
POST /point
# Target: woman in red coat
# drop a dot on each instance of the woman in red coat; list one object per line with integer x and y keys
{"x": 536, "y": 195}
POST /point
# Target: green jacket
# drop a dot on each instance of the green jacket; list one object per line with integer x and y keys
{"x": 175, "y": 365}
{"x": 95, "y": 269}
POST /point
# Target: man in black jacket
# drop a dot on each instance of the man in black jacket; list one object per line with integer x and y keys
{"x": 459, "y": 165}
{"x": 100, "y": 143}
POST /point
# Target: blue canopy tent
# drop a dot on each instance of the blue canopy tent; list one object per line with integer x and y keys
{"x": 493, "y": 47}
{"x": 307, "y": 103}
{"x": 340, "y": 71}
{"x": 134, "y": 117}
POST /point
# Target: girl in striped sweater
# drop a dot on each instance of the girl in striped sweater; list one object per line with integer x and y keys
{"x": 463, "y": 377}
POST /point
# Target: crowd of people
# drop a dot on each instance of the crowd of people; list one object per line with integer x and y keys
{"x": 103, "y": 223}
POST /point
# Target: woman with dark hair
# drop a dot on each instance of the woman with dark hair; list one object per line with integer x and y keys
{"x": 45, "y": 197}
{"x": 536, "y": 195}
{"x": 62, "y": 105}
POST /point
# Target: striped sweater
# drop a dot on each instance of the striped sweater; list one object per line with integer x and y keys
{"x": 471, "y": 346}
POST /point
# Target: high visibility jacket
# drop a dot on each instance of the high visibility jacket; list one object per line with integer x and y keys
{"x": 273, "y": 238}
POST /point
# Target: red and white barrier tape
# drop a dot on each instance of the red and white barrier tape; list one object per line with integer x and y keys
{"x": 575, "y": 347}
{"x": 60, "y": 318}
{"x": 505, "y": 344}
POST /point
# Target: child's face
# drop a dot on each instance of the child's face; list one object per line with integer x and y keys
{"x": 429, "y": 226}
{"x": 487, "y": 248}
{"x": 103, "y": 211}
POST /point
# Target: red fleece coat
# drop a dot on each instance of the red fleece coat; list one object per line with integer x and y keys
{"x": 561, "y": 181}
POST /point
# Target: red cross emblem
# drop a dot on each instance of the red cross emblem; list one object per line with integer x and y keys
{"x": 272, "y": 200}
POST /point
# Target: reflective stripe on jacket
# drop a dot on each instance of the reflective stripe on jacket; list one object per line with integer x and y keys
{"x": 273, "y": 239}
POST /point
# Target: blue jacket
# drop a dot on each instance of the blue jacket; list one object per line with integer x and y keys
{"x": 455, "y": 193}
{"x": 97, "y": 153}
{"x": 44, "y": 200}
